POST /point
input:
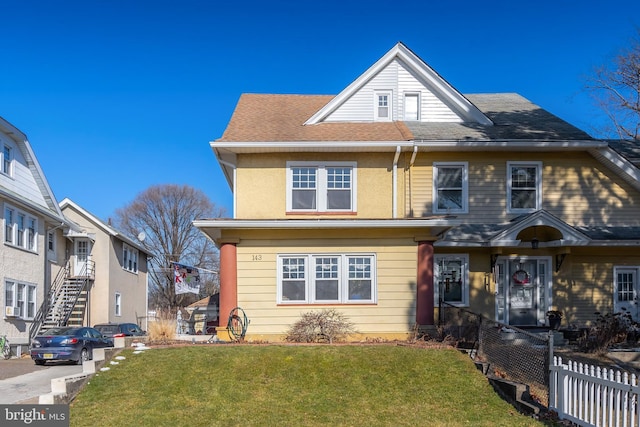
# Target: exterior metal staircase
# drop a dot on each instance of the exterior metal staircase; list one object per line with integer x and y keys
{"x": 66, "y": 302}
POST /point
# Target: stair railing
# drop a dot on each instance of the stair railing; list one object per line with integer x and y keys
{"x": 56, "y": 287}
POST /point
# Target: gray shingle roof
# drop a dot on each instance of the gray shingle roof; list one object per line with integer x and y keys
{"x": 514, "y": 117}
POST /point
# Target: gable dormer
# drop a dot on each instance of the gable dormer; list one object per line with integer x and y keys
{"x": 400, "y": 87}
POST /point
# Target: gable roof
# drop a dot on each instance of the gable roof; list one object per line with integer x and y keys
{"x": 48, "y": 205}
{"x": 67, "y": 203}
{"x": 436, "y": 84}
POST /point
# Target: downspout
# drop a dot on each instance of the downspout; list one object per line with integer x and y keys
{"x": 234, "y": 167}
{"x": 395, "y": 182}
{"x": 411, "y": 162}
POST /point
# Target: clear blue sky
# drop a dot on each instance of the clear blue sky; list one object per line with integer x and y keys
{"x": 119, "y": 95}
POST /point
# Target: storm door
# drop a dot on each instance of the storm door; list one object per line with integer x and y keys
{"x": 626, "y": 290}
{"x": 523, "y": 290}
{"x": 82, "y": 251}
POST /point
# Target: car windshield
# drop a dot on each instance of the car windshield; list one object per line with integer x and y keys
{"x": 107, "y": 328}
{"x": 60, "y": 331}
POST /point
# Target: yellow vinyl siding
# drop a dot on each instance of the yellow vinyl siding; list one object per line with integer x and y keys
{"x": 575, "y": 187}
{"x": 396, "y": 262}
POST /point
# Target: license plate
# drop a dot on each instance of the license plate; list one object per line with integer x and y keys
{"x": 48, "y": 356}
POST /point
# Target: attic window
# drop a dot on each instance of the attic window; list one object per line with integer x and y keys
{"x": 7, "y": 160}
{"x": 382, "y": 106}
{"x": 411, "y": 106}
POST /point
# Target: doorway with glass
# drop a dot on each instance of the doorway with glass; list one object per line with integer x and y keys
{"x": 523, "y": 290}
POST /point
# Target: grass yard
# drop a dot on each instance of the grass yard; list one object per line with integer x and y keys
{"x": 280, "y": 385}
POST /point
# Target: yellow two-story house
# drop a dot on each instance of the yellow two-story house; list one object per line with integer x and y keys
{"x": 400, "y": 191}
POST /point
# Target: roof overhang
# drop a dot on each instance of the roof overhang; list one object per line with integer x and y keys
{"x": 214, "y": 227}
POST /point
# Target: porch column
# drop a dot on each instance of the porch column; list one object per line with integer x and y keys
{"x": 424, "y": 292}
{"x": 228, "y": 282}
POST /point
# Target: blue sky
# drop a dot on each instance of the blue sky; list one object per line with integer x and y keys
{"x": 119, "y": 95}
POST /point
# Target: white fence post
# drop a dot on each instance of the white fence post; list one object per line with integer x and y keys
{"x": 592, "y": 396}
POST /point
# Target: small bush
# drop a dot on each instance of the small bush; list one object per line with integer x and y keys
{"x": 162, "y": 331}
{"x": 328, "y": 325}
{"x": 609, "y": 329}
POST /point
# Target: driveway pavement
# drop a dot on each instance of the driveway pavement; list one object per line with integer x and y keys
{"x": 22, "y": 381}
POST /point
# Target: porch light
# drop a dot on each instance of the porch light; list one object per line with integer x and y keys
{"x": 535, "y": 243}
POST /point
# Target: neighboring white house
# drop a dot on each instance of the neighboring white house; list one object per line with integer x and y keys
{"x": 32, "y": 250}
{"x": 59, "y": 264}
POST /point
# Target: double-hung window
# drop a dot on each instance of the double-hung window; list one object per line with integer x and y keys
{"x": 524, "y": 186}
{"x": 118, "y": 304}
{"x": 382, "y": 107}
{"x": 129, "y": 258}
{"x": 20, "y": 229}
{"x": 22, "y": 298}
{"x": 451, "y": 276}
{"x": 7, "y": 160}
{"x": 327, "y": 187}
{"x": 326, "y": 279}
{"x": 450, "y": 192}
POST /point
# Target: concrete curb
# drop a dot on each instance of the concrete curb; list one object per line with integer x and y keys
{"x": 65, "y": 389}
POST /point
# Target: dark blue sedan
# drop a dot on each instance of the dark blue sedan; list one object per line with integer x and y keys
{"x": 67, "y": 343}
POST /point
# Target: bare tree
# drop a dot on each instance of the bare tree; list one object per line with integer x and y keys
{"x": 616, "y": 90}
{"x": 164, "y": 213}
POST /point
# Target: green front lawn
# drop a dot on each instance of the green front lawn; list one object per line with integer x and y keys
{"x": 280, "y": 385}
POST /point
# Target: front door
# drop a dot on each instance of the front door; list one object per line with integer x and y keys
{"x": 82, "y": 250}
{"x": 523, "y": 290}
{"x": 626, "y": 291}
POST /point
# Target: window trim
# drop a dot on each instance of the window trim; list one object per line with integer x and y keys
{"x": 343, "y": 279}
{"x": 538, "y": 189}
{"x": 25, "y": 303}
{"x": 130, "y": 258}
{"x": 464, "y": 189}
{"x": 17, "y": 233}
{"x": 321, "y": 186}
{"x": 404, "y": 107}
{"x": 51, "y": 244}
{"x": 437, "y": 258}
{"x": 117, "y": 304}
{"x": 7, "y": 167}
{"x": 376, "y": 107}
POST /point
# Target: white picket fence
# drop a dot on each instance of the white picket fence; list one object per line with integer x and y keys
{"x": 593, "y": 396}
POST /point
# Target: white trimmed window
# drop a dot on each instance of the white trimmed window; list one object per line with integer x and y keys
{"x": 451, "y": 277}
{"x": 20, "y": 229}
{"x": 412, "y": 106}
{"x": 524, "y": 186}
{"x": 21, "y": 297}
{"x": 7, "y": 160}
{"x": 382, "y": 106}
{"x": 450, "y": 187}
{"x": 129, "y": 258}
{"x": 327, "y": 279}
{"x": 118, "y": 304}
{"x": 51, "y": 244}
{"x": 327, "y": 187}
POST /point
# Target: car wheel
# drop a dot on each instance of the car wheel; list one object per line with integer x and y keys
{"x": 84, "y": 355}
{"x": 39, "y": 362}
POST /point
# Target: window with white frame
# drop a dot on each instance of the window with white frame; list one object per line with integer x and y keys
{"x": 450, "y": 192}
{"x": 21, "y": 297}
{"x": 327, "y": 279}
{"x": 118, "y": 304}
{"x": 7, "y": 160}
{"x": 451, "y": 279}
{"x": 326, "y": 187}
{"x": 129, "y": 258}
{"x": 524, "y": 186}
{"x": 382, "y": 110}
{"x": 412, "y": 106}
{"x": 51, "y": 244}
{"x": 20, "y": 229}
